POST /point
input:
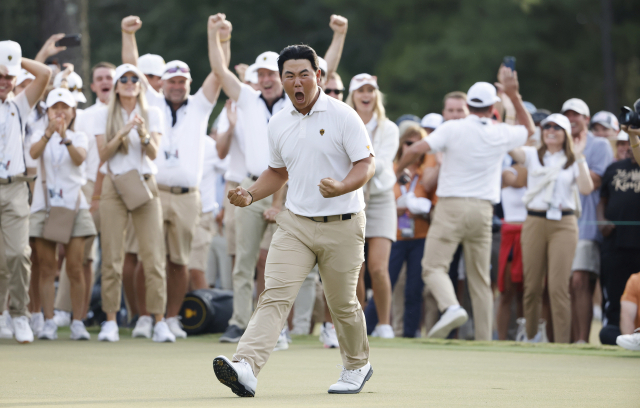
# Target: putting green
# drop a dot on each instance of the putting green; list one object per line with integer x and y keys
{"x": 407, "y": 373}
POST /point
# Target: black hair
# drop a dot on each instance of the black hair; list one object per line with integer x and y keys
{"x": 298, "y": 52}
{"x": 482, "y": 110}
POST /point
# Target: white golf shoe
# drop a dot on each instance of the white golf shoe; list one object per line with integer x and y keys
{"x": 144, "y": 327}
{"x": 237, "y": 376}
{"x": 109, "y": 332}
{"x": 176, "y": 327}
{"x": 328, "y": 336}
{"x": 352, "y": 381}
{"x": 61, "y": 318}
{"x": 49, "y": 331}
{"x": 162, "y": 334}
{"x": 78, "y": 331}
{"x": 629, "y": 341}
{"x": 22, "y": 330}
{"x": 282, "y": 343}
{"x": 452, "y": 318}
{"x": 37, "y": 323}
{"x": 6, "y": 326}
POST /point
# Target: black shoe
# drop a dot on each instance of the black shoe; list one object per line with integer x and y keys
{"x": 232, "y": 334}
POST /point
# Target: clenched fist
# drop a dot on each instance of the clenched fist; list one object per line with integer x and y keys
{"x": 216, "y": 22}
{"x": 131, "y": 24}
{"x": 331, "y": 188}
{"x": 338, "y": 24}
{"x": 239, "y": 197}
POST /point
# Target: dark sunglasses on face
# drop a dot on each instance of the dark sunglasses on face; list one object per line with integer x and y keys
{"x": 173, "y": 70}
{"x": 335, "y": 91}
{"x": 408, "y": 142}
{"x": 125, "y": 79}
{"x": 555, "y": 127}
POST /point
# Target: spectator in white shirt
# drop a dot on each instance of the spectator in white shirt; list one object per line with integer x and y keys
{"x": 468, "y": 185}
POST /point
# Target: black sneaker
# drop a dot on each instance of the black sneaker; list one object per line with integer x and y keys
{"x": 232, "y": 334}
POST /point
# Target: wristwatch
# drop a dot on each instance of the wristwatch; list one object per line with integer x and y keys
{"x": 146, "y": 140}
{"x": 66, "y": 142}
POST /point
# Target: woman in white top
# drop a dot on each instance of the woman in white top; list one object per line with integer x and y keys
{"x": 550, "y": 231}
{"x": 381, "y": 229}
{"x": 128, "y": 141}
{"x": 60, "y": 152}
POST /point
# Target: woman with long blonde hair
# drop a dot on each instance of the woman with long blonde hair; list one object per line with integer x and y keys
{"x": 381, "y": 229}
{"x": 128, "y": 143}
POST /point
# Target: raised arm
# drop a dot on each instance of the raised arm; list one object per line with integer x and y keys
{"x": 216, "y": 29}
{"x": 36, "y": 88}
{"x": 634, "y": 140}
{"x": 211, "y": 85}
{"x": 49, "y": 48}
{"x": 129, "y": 27}
{"x": 518, "y": 155}
{"x": 413, "y": 153}
{"x": 339, "y": 26}
{"x": 584, "y": 180}
{"x": 508, "y": 83}
{"x": 223, "y": 142}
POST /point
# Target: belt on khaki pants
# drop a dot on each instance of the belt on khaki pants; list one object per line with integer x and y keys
{"x": 177, "y": 190}
{"x": 17, "y": 179}
{"x": 329, "y": 218}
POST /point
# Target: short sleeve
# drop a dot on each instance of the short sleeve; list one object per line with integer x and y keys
{"x": 154, "y": 98}
{"x": 632, "y": 290}
{"x": 201, "y": 103}
{"x": 530, "y": 154}
{"x": 355, "y": 138}
{"x": 35, "y": 137}
{"x": 247, "y": 96}
{"x": 22, "y": 103}
{"x": 80, "y": 139}
{"x": 275, "y": 156}
{"x": 222, "y": 123}
{"x": 100, "y": 121}
{"x": 438, "y": 138}
{"x": 516, "y": 136}
{"x": 607, "y": 178}
{"x": 156, "y": 121}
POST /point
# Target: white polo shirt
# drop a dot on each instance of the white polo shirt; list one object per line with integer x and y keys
{"x": 12, "y": 111}
{"x": 324, "y": 143}
{"x": 181, "y": 152}
{"x": 64, "y": 179}
{"x": 565, "y": 183}
{"x": 256, "y": 116}
{"x": 237, "y": 169}
{"x": 474, "y": 148}
{"x": 209, "y": 174}
{"x": 121, "y": 163}
{"x": 86, "y": 123}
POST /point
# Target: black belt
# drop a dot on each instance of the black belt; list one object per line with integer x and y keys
{"x": 252, "y": 177}
{"x": 543, "y": 214}
{"x": 329, "y": 218}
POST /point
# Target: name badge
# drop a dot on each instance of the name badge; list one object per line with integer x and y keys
{"x": 171, "y": 158}
{"x": 406, "y": 225}
{"x": 554, "y": 214}
{"x": 55, "y": 198}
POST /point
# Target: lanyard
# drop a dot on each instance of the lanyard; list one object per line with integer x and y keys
{"x": 414, "y": 183}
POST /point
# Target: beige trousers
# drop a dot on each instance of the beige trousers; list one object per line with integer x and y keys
{"x": 548, "y": 248}
{"x": 15, "y": 262}
{"x": 229, "y": 219}
{"x": 338, "y": 248}
{"x": 250, "y": 227}
{"x": 147, "y": 222}
{"x": 181, "y": 213}
{"x": 466, "y": 221}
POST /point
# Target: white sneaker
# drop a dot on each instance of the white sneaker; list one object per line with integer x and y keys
{"x": 162, "y": 334}
{"x": 521, "y": 333}
{"x": 144, "y": 327}
{"x": 329, "y": 336}
{"x": 176, "y": 327}
{"x": 384, "y": 331}
{"x": 37, "y": 323}
{"x": 61, "y": 318}
{"x": 6, "y": 326}
{"x": 352, "y": 381}
{"x": 49, "y": 331}
{"x": 629, "y": 341}
{"x": 78, "y": 331}
{"x": 109, "y": 331}
{"x": 282, "y": 343}
{"x": 237, "y": 376}
{"x": 542, "y": 332}
{"x": 452, "y": 318}
{"x": 21, "y": 330}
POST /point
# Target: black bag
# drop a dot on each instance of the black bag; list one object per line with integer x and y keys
{"x": 206, "y": 311}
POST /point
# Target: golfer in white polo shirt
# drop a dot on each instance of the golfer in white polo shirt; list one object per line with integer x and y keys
{"x": 468, "y": 185}
{"x": 180, "y": 161}
{"x": 15, "y": 263}
{"x": 322, "y": 148}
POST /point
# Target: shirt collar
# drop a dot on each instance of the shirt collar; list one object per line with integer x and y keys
{"x": 174, "y": 113}
{"x": 270, "y": 108}
{"x": 559, "y": 153}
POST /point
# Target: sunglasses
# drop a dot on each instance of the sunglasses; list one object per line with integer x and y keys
{"x": 173, "y": 70}
{"x": 125, "y": 79}
{"x": 555, "y": 127}
{"x": 335, "y": 91}
{"x": 75, "y": 88}
{"x": 408, "y": 142}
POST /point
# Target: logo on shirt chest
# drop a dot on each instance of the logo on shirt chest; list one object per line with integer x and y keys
{"x": 321, "y": 132}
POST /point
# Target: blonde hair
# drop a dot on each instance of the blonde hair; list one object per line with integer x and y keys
{"x": 413, "y": 129}
{"x": 567, "y": 146}
{"x": 114, "y": 118}
{"x": 378, "y": 109}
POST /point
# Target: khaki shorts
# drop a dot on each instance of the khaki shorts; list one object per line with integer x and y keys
{"x": 205, "y": 231}
{"x": 82, "y": 225}
{"x": 180, "y": 213}
{"x": 229, "y": 219}
{"x": 587, "y": 257}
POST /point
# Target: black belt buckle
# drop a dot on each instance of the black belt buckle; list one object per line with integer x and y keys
{"x": 184, "y": 190}
{"x": 346, "y": 217}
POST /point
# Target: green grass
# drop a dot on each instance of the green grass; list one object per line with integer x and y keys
{"x": 407, "y": 373}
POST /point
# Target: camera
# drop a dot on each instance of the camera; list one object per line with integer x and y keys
{"x": 630, "y": 116}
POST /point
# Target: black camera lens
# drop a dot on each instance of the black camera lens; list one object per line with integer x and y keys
{"x": 629, "y": 117}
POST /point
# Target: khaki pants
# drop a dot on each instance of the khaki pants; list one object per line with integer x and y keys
{"x": 229, "y": 219}
{"x": 87, "y": 190}
{"x": 15, "y": 253}
{"x": 180, "y": 213}
{"x": 548, "y": 248}
{"x": 466, "y": 221}
{"x": 147, "y": 222}
{"x": 338, "y": 248}
{"x": 250, "y": 228}
{"x": 205, "y": 231}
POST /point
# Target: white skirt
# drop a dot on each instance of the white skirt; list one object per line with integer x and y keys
{"x": 382, "y": 217}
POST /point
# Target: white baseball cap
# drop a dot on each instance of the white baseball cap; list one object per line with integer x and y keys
{"x": 176, "y": 68}
{"x": 606, "y": 119}
{"x": 482, "y": 95}
{"x": 151, "y": 64}
{"x": 74, "y": 81}
{"x": 622, "y": 136}
{"x": 251, "y": 74}
{"x": 432, "y": 121}
{"x": 23, "y": 76}
{"x": 60, "y": 95}
{"x": 267, "y": 60}
{"x": 123, "y": 69}
{"x": 560, "y": 120}
{"x": 576, "y": 105}
{"x": 322, "y": 64}
{"x": 361, "y": 80}
{"x": 11, "y": 57}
